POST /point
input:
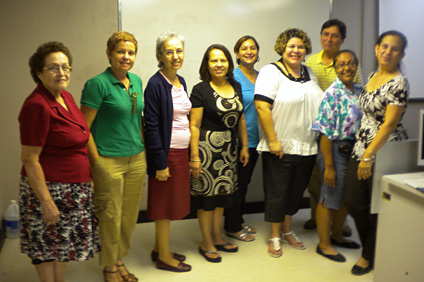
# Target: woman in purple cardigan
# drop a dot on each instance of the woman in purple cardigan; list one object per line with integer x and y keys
{"x": 167, "y": 137}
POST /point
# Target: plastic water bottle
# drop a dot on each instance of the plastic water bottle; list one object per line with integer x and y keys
{"x": 12, "y": 220}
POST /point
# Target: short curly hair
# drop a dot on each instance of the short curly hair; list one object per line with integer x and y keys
{"x": 120, "y": 36}
{"x": 285, "y": 36}
{"x": 37, "y": 60}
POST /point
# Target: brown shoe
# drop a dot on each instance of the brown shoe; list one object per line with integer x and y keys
{"x": 182, "y": 267}
{"x": 155, "y": 255}
{"x": 106, "y": 272}
{"x": 129, "y": 277}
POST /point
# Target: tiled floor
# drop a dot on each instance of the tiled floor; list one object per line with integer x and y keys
{"x": 251, "y": 263}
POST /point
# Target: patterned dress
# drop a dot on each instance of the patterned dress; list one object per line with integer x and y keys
{"x": 217, "y": 147}
{"x": 73, "y": 238}
{"x": 374, "y": 104}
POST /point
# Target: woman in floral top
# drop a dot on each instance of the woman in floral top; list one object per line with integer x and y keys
{"x": 383, "y": 102}
{"x": 338, "y": 120}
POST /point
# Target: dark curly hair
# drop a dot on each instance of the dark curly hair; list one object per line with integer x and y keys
{"x": 285, "y": 36}
{"x": 36, "y": 62}
{"x": 345, "y": 51}
{"x": 204, "y": 72}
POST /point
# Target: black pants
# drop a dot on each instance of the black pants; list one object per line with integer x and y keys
{"x": 358, "y": 201}
{"x": 284, "y": 180}
{"x": 234, "y": 215}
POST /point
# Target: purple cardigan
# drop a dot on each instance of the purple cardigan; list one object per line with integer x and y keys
{"x": 158, "y": 117}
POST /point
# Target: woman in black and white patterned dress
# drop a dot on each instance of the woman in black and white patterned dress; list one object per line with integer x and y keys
{"x": 383, "y": 102}
{"x": 216, "y": 121}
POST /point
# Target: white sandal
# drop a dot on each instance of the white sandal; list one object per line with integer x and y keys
{"x": 302, "y": 247}
{"x": 249, "y": 229}
{"x": 276, "y": 241}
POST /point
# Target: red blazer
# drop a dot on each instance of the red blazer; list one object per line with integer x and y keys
{"x": 62, "y": 134}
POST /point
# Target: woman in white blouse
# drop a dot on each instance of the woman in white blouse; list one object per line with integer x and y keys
{"x": 287, "y": 98}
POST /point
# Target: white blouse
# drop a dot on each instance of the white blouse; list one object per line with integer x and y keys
{"x": 294, "y": 110}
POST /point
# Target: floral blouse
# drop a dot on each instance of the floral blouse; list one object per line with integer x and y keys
{"x": 374, "y": 104}
{"x": 340, "y": 114}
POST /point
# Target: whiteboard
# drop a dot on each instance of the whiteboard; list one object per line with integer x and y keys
{"x": 407, "y": 17}
{"x": 220, "y": 21}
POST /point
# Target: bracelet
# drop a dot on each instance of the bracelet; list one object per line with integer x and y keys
{"x": 368, "y": 159}
{"x": 195, "y": 160}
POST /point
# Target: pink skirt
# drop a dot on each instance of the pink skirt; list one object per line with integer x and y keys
{"x": 171, "y": 199}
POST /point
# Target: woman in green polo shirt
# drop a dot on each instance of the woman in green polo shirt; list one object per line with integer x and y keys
{"x": 112, "y": 103}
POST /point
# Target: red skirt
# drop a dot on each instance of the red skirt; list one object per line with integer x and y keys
{"x": 171, "y": 199}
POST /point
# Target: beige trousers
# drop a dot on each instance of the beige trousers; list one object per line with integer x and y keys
{"x": 118, "y": 185}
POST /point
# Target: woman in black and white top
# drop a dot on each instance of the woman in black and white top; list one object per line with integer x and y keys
{"x": 383, "y": 102}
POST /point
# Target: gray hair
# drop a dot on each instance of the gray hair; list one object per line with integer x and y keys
{"x": 164, "y": 37}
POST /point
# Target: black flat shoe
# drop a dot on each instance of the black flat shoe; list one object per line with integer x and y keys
{"x": 347, "y": 231}
{"x": 310, "y": 224}
{"x": 224, "y": 248}
{"x": 348, "y": 245}
{"x": 337, "y": 258}
{"x": 358, "y": 270}
{"x": 209, "y": 259}
{"x": 155, "y": 255}
{"x": 182, "y": 267}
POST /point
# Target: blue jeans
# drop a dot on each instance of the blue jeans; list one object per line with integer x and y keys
{"x": 333, "y": 197}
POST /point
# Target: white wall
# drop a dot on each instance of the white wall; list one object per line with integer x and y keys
{"x": 220, "y": 21}
{"x": 407, "y": 17}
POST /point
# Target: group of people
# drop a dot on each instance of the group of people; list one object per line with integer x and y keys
{"x": 84, "y": 169}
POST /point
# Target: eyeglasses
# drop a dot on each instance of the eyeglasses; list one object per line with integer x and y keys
{"x": 133, "y": 96}
{"x": 342, "y": 65}
{"x": 56, "y": 69}
{"x": 170, "y": 53}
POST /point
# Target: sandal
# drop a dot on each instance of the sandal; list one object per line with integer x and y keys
{"x": 129, "y": 277}
{"x": 276, "y": 241}
{"x": 301, "y": 247}
{"x": 226, "y": 248}
{"x": 242, "y": 236}
{"x": 105, "y": 272}
{"x": 250, "y": 229}
{"x": 209, "y": 259}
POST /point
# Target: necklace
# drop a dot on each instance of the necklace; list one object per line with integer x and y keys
{"x": 297, "y": 79}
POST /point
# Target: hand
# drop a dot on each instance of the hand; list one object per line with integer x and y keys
{"x": 275, "y": 148}
{"x": 162, "y": 175}
{"x": 92, "y": 186}
{"x": 51, "y": 214}
{"x": 330, "y": 177}
{"x": 196, "y": 169}
{"x": 364, "y": 170}
{"x": 244, "y": 156}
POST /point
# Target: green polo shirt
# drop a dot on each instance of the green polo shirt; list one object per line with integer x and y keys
{"x": 327, "y": 74}
{"x": 115, "y": 129}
